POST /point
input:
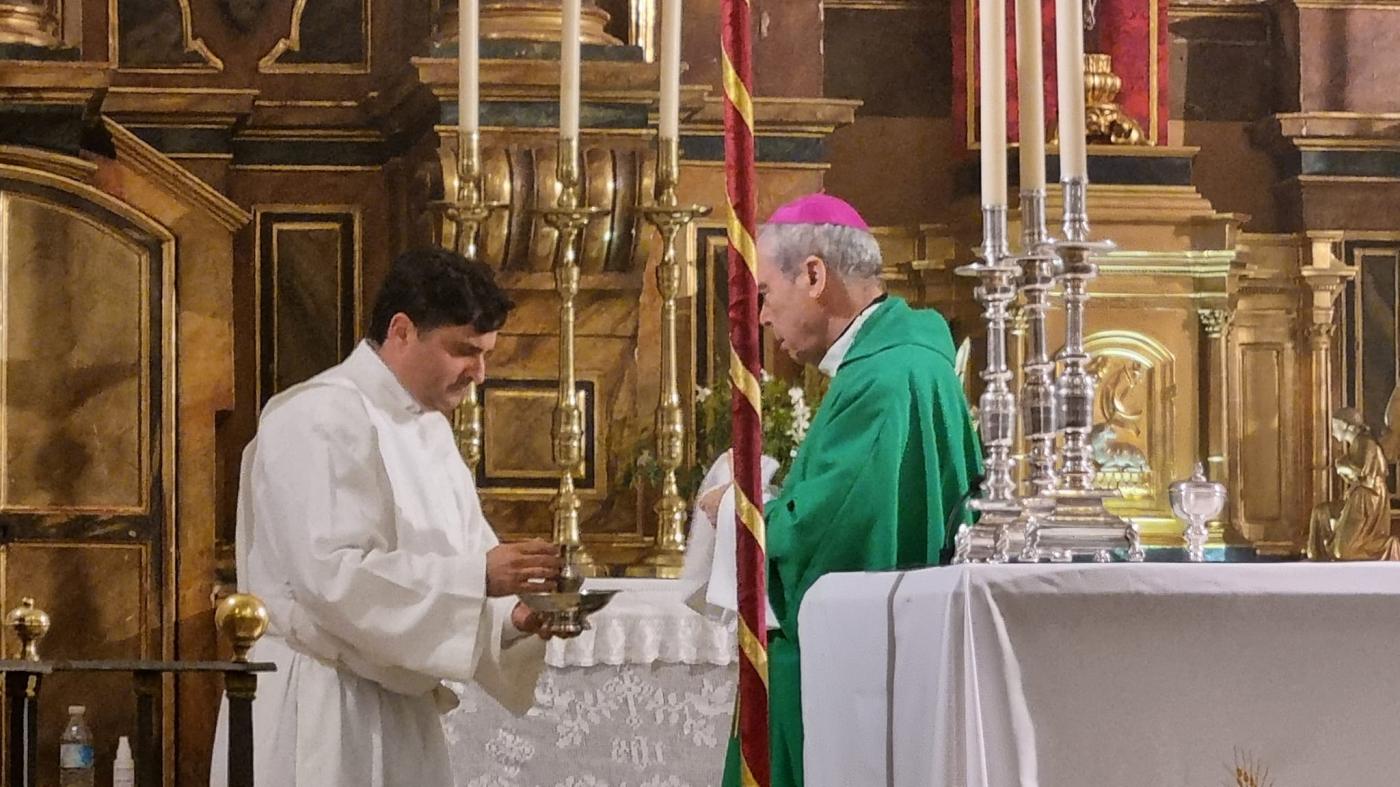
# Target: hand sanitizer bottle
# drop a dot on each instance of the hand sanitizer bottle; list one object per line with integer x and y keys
{"x": 75, "y": 751}
{"x": 123, "y": 768}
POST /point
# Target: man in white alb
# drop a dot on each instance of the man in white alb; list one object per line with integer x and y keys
{"x": 360, "y": 528}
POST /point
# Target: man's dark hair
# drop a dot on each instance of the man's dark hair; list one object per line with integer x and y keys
{"x": 436, "y": 288}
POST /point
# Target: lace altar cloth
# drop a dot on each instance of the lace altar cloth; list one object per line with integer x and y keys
{"x": 643, "y": 700}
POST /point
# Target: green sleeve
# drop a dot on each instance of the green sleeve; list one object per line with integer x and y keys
{"x": 840, "y": 513}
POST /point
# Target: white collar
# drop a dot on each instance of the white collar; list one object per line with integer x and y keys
{"x": 836, "y": 354}
{"x": 375, "y": 378}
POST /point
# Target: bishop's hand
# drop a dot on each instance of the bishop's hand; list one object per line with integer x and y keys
{"x": 522, "y": 567}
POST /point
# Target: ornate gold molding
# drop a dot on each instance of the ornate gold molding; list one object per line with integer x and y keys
{"x": 1106, "y": 122}
{"x": 29, "y": 23}
{"x": 1349, "y": 5}
{"x": 269, "y": 64}
{"x": 47, "y": 161}
{"x": 527, "y": 20}
{"x": 1214, "y": 321}
{"x": 878, "y": 5}
{"x": 190, "y": 43}
{"x": 151, "y": 163}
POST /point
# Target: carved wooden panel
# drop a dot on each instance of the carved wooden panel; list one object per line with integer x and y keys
{"x": 158, "y": 35}
{"x": 1264, "y": 372}
{"x": 325, "y": 36}
{"x": 1134, "y": 409}
{"x": 308, "y": 262}
{"x": 83, "y": 483}
{"x": 517, "y": 453}
{"x": 76, "y": 362}
{"x": 98, "y": 598}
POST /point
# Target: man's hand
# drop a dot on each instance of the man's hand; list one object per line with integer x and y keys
{"x": 522, "y": 567}
{"x": 709, "y": 503}
{"x": 531, "y": 623}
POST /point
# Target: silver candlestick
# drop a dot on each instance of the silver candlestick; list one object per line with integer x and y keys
{"x": 1079, "y": 523}
{"x": 997, "y": 534}
{"x": 1040, "y": 403}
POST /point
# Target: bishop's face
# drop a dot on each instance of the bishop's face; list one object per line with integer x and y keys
{"x": 789, "y": 306}
{"x": 437, "y": 365}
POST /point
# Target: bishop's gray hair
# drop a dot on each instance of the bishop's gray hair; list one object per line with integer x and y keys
{"x": 852, "y": 253}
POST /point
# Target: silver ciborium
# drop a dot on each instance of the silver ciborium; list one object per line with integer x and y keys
{"x": 1196, "y": 501}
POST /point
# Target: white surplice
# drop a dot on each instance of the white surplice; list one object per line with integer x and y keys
{"x": 360, "y": 528}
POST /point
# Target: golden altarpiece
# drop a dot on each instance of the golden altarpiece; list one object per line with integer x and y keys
{"x": 198, "y": 199}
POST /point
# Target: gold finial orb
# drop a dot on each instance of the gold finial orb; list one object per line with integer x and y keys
{"x": 241, "y": 618}
{"x": 30, "y": 624}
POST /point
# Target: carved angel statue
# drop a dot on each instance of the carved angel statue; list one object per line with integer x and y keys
{"x": 1356, "y": 526}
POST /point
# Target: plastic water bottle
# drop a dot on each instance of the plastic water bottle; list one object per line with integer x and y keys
{"x": 75, "y": 761}
{"x": 123, "y": 767}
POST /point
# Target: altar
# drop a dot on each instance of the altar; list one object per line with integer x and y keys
{"x": 644, "y": 699}
{"x": 1081, "y": 674}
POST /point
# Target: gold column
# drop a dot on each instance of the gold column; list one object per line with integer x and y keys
{"x": 29, "y": 22}
{"x": 1214, "y": 324}
{"x": 526, "y": 20}
{"x": 569, "y": 217}
{"x": 1322, "y": 279}
{"x": 670, "y": 217}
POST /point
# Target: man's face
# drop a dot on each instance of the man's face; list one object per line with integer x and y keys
{"x": 789, "y": 306}
{"x": 437, "y": 365}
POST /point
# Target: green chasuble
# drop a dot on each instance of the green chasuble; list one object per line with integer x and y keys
{"x": 889, "y": 455}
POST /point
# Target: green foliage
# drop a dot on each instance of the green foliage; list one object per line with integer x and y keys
{"x": 786, "y": 418}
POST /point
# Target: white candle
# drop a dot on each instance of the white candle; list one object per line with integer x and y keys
{"x": 670, "y": 68}
{"x": 468, "y": 65}
{"x": 1030, "y": 94}
{"x": 569, "y": 70}
{"x": 992, "y": 40}
{"x": 1069, "y": 65}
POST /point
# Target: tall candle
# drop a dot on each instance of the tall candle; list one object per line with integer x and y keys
{"x": 670, "y": 68}
{"x": 569, "y": 70}
{"x": 1030, "y": 94}
{"x": 468, "y": 65}
{"x": 1069, "y": 65}
{"x": 992, "y": 41}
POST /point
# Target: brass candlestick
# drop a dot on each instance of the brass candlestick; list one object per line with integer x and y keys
{"x": 566, "y": 609}
{"x": 670, "y": 218}
{"x": 30, "y": 624}
{"x": 569, "y": 217}
{"x": 465, "y": 214}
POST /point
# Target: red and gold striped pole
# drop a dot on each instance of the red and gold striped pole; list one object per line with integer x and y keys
{"x": 743, "y": 374}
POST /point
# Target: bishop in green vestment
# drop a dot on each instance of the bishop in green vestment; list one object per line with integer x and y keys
{"x": 892, "y": 450}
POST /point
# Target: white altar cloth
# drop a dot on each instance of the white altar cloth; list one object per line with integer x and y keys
{"x": 1090, "y": 675}
{"x": 644, "y": 699}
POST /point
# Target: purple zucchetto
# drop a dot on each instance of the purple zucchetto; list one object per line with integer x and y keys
{"x": 819, "y": 209}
